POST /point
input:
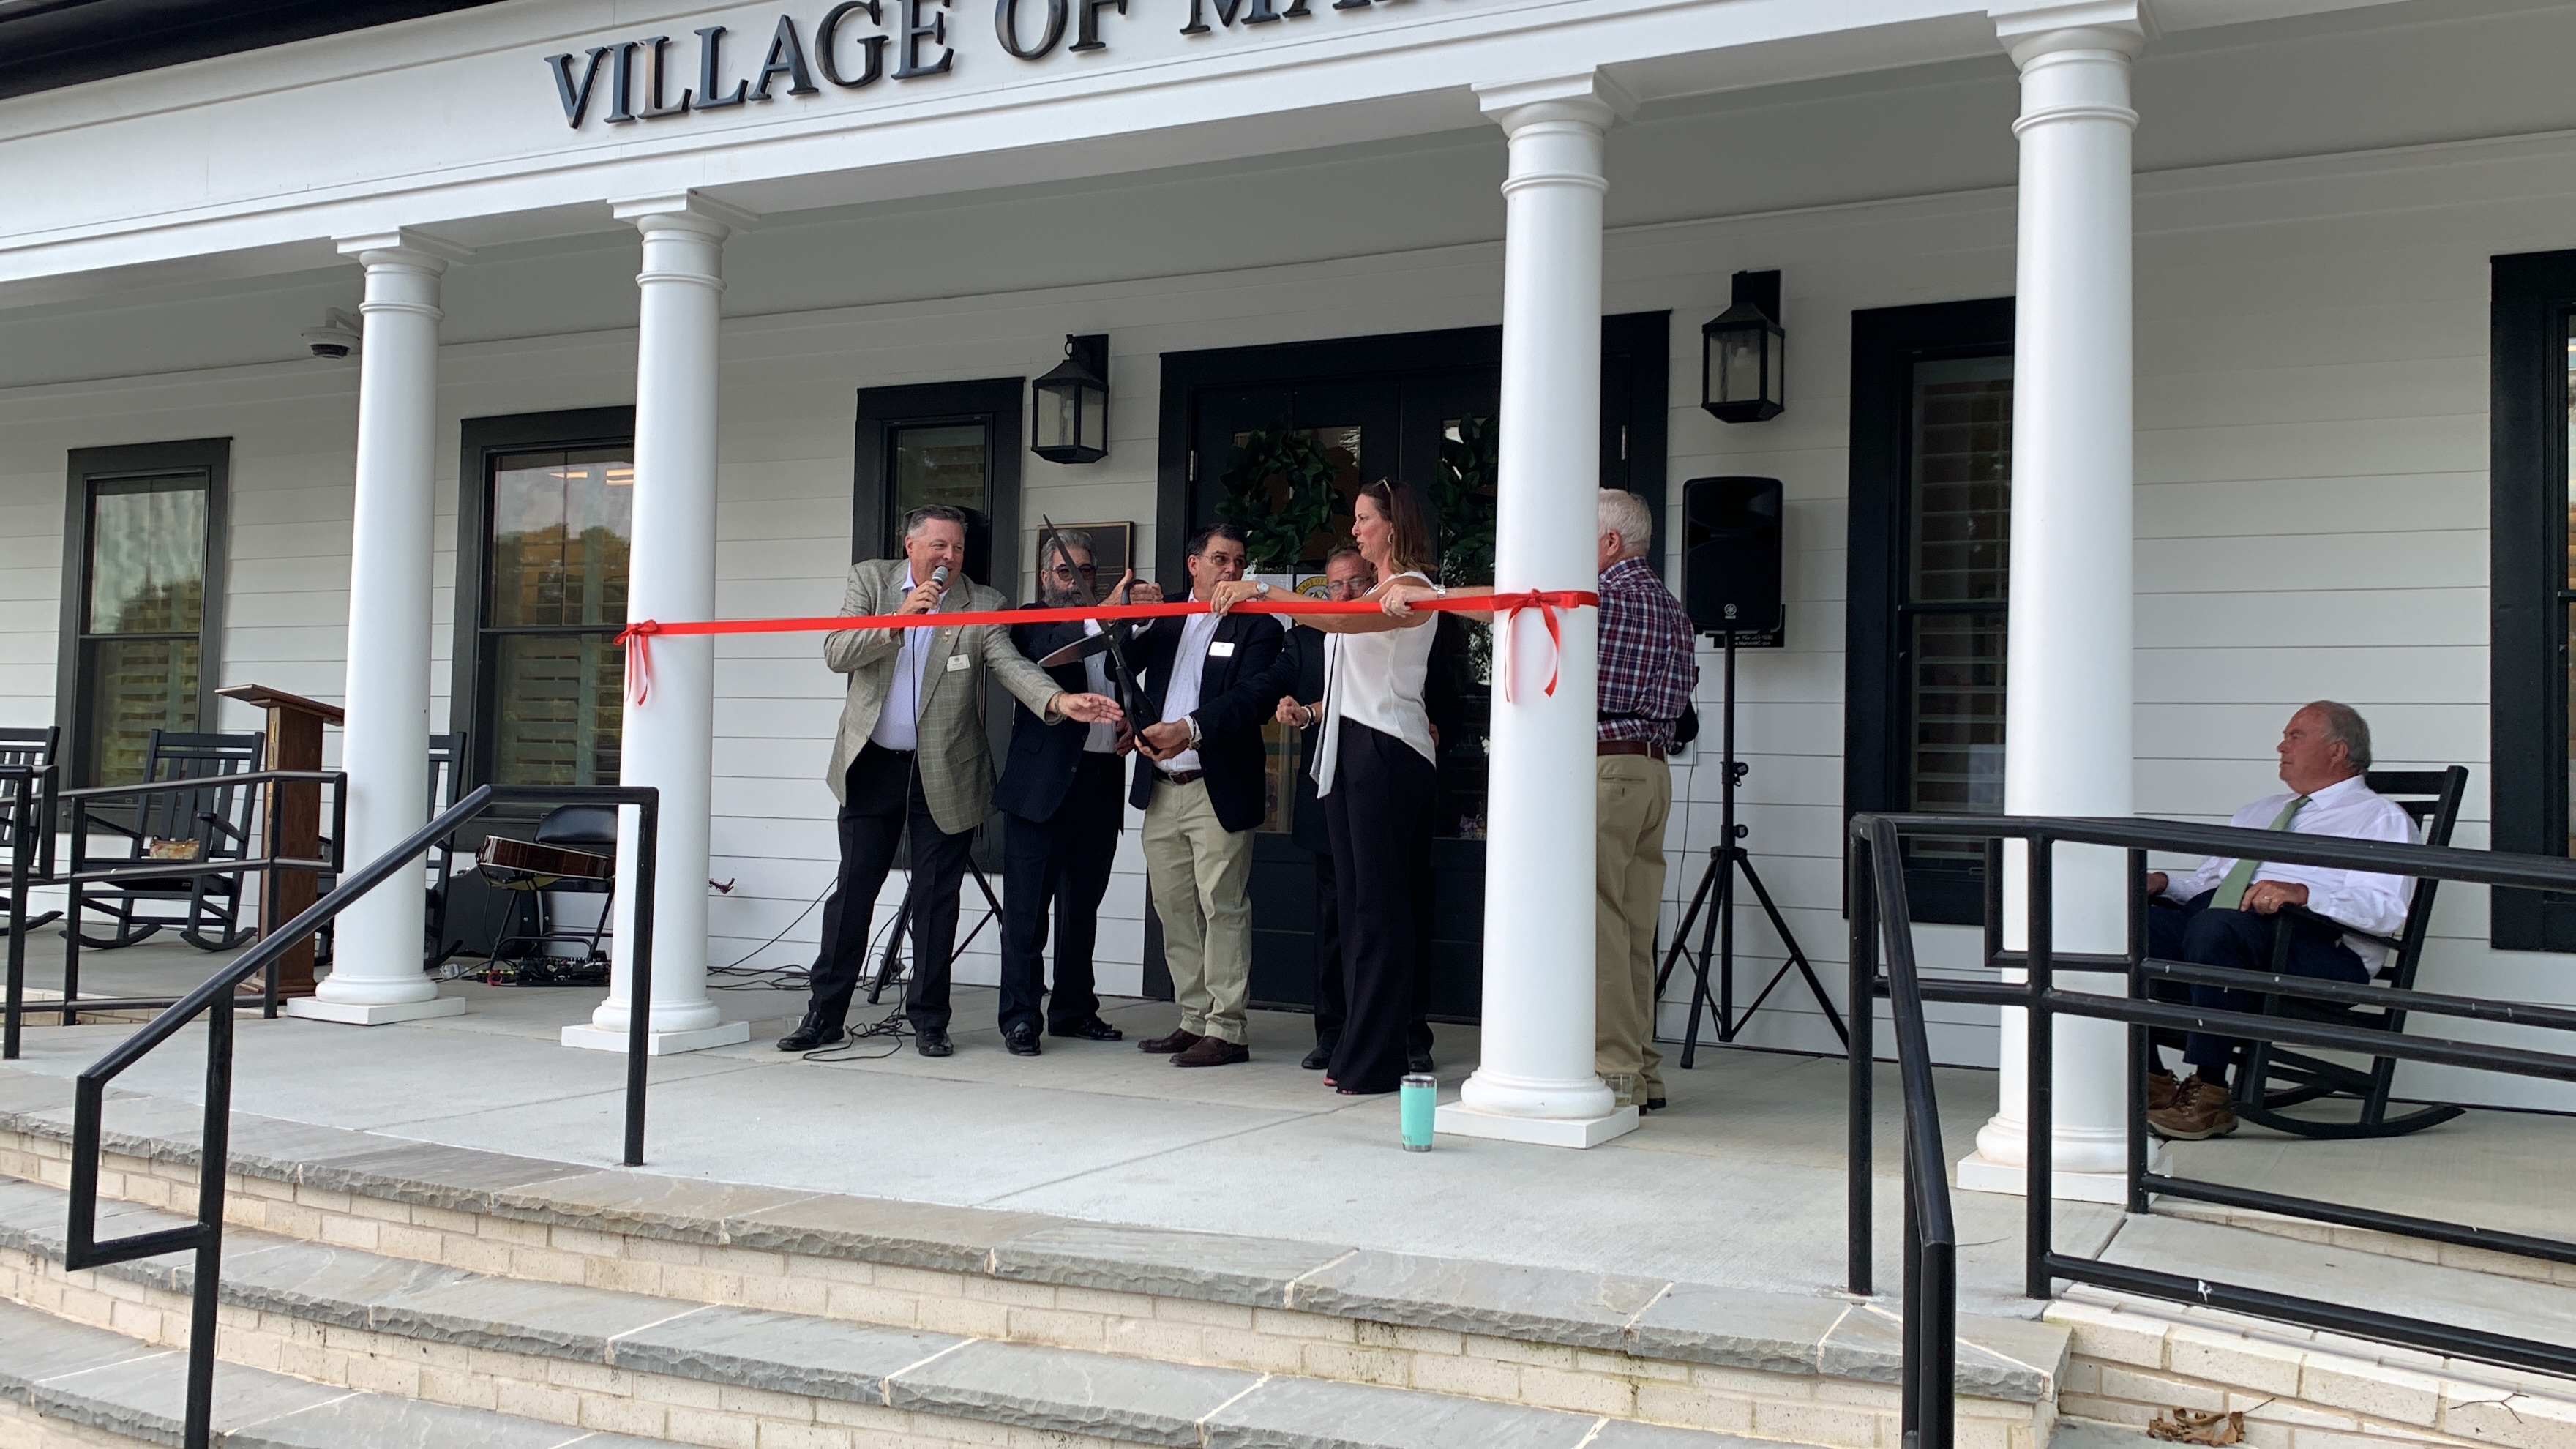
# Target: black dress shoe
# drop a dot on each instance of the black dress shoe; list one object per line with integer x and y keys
{"x": 1320, "y": 1058}
{"x": 1022, "y": 1040}
{"x": 810, "y": 1033}
{"x": 932, "y": 1043}
{"x": 1654, "y": 1104}
{"x": 1090, "y": 1028}
{"x": 1417, "y": 1061}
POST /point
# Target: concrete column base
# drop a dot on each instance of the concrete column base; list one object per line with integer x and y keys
{"x": 1980, "y": 1173}
{"x": 1457, "y": 1119}
{"x": 358, "y": 1013}
{"x": 659, "y": 1043}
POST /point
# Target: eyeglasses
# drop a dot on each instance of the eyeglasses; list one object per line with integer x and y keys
{"x": 1086, "y": 570}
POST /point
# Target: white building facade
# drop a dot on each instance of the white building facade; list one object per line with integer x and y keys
{"x": 2213, "y": 283}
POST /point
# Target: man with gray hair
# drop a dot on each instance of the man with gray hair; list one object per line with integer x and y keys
{"x": 2228, "y": 906}
{"x": 1647, "y": 672}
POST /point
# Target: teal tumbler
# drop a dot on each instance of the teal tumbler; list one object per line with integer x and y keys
{"x": 1420, "y": 1094}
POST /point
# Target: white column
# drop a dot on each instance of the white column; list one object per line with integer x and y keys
{"x": 376, "y": 971}
{"x": 1535, "y": 1082}
{"x": 669, "y": 740}
{"x": 2066, "y": 723}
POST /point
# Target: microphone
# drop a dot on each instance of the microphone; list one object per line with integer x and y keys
{"x": 939, "y": 576}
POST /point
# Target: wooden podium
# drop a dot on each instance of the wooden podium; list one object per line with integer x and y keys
{"x": 294, "y": 819}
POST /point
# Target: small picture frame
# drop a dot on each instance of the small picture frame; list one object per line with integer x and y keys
{"x": 1113, "y": 548}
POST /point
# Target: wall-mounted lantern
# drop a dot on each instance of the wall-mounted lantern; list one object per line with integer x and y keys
{"x": 1069, "y": 407}
{"x": 1740, "y": 353}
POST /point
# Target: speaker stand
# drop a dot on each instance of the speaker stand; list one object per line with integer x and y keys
{"x": 1711, "y": 908}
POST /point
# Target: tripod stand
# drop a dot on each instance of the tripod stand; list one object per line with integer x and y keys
{"x": 890, "y": 964}
{"x": 1717, "y": 928}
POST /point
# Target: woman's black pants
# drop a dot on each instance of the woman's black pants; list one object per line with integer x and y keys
{"x": 1379, "y": 811}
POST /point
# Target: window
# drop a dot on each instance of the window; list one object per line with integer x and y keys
{"x": 956, "y": 443}
{"x": 2532, "y": 570}
{"x": 143, "y": 587}
{"x": 1931, "y": 511}
{"x": 544, "y": 519}
{"x": 555, "y": 599}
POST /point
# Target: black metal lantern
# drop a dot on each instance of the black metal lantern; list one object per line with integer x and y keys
{"x": 1069, "y": 407}
{"x": 1740, "y": 353}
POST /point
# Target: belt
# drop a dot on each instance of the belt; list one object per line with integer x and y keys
{"x": 1179, "y": 777}
{"x": 1648, "y": 748}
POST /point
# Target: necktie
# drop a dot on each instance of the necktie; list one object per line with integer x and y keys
{"x": 2231, "y": 887}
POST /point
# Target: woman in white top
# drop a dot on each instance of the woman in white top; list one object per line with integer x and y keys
{"x": 1374, "y": 775}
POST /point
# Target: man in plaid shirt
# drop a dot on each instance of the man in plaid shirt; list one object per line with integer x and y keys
{"x": 1648, "y": 671}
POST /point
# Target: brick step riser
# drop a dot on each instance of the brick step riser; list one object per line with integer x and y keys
{"x": 574, "y": 1393}
{"x": 1806, "y": 1408}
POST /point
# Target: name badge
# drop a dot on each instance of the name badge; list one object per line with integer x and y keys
{"x": 957, "y": 662}
{"x": 1222, "y": 649}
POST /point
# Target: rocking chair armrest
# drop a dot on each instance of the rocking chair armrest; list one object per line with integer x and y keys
{"x": 113, "y": 824}
{"x": 227, "y": 828}
{"x": 2302, "y": 913}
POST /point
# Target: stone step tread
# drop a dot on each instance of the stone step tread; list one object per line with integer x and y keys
{"x": 1025, "y": 1386}
{"x": 2010, "y": 1359}
{"x": 122, "y": 1385}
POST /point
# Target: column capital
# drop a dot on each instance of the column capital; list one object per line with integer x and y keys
{"x": 1588, "y": 96}
{"x": 2031, "y": 29}
{"x": 401, "y": 246}
{"x": 682, "y": 211}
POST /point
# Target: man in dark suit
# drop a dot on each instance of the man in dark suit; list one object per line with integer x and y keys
{"x": 1209, "y": 687}
{"x": 1061, "y": 813}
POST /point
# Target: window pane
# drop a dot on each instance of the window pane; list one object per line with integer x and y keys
{"x": 1961, "y": 508}
{"x": 135, "y": 687}
{"x": 945, "y": 463}
{"x": 561, "y": 523}
{"x": 555, "y": 710}
{"x": 147, "y": 556}
{"x": 1956, "y": 674}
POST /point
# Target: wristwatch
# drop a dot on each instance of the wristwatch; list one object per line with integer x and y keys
{"x": 1192, "y": 720}
{"x": 1261, "y": 587}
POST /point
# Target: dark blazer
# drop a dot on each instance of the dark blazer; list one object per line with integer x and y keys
{"x": 1238, "y": 692}
{"x": 1044, "y": 756}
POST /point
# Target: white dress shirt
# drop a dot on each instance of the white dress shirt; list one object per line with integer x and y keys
{"x": 2365, "y": 901}
{"x": 1103, "y": 739}
{"x": 1376, "y": 680}
{"x": 899, "y": 725}
{"x": 1181, "y": 694}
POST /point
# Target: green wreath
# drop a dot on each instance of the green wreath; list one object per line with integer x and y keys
{"x": 1279, "y": 492}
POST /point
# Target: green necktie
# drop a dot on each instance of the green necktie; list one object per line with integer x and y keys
{"x": 2231, "y": 887}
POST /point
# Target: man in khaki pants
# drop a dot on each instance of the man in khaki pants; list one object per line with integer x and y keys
{"x": 1647, "y": 673}
{"x": 1210, "y": 685}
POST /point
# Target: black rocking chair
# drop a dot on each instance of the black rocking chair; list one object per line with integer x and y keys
{"x": 192, "y": 817}
{"x": 32, "y": 750}
{"x": 446, "y": 762}
{"x": 2275, "y": 1077}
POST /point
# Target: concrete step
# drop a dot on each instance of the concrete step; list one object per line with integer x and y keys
{"x": 1612, "y": 1348}
{"x": 108, "y": 1388}
{"x": 719, "y": 1374}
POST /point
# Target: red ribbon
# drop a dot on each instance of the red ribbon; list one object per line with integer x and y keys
{"x": 637, "y": 636}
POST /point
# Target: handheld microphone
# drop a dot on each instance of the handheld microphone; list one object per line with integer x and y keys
{"x": 939, "y": 576}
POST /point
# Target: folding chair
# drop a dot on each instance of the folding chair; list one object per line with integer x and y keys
{"x": 188, "y": 816}
{"x": 2275, "y": 1077}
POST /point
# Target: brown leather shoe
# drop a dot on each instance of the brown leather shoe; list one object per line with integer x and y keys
{"x": 2200, "y": 1110}
{"x": 2160, "y": 1091}
{"x": 1178, "y": 1041}
{"x": 1211, "y": 1051}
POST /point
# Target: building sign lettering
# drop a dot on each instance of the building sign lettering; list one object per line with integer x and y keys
{"x": 856, "y": 44}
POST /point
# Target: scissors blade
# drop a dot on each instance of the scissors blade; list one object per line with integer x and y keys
{"x": 1078, "y": 651}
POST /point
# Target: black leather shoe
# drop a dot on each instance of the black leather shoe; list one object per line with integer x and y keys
{"x": 1417, "y": 1061}
{"x": 933, "y": 1044}
{"x": 1090, "y": 1028}
{"x": 1654, "y": 1104}
{"x": 1320, "y": 1058}
{"x": 810, "y": 1033}
{"x": 1022, "y": 1040}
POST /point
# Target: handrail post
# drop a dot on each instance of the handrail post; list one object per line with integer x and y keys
{"x": 21, "y": 820}
{"x": 2039, "y": 952}
{"x": 639, "y": 1005}
{"x": 72, "y": 914}
{"x": 2141, "y": 1044}
{"x": 1860, "y": 897}
{"x": 213, "y": 1156}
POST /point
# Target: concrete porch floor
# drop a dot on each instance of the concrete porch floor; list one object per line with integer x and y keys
{"x": 1739, "y": 1183}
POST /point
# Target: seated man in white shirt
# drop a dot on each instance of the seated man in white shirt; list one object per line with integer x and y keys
{"x": 2228, "y": 907}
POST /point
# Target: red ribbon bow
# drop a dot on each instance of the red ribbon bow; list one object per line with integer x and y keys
{"x": 1547, "y": 602}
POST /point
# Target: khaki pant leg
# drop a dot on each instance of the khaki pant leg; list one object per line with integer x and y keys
{"x": 1621, "y": 798}
{"x": 1223, "y": 866}
{"x": 1171, "y": 877}
{"x": 1643, "y": 900}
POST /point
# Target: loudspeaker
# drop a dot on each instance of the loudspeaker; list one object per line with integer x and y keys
{"x": 1731, "y": 555}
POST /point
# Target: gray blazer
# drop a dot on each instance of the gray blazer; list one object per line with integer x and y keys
{"x": 956, "y": 761}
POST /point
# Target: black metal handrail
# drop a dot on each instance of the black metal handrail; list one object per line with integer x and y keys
{"x": 31, "y": 806}
{"x": 72, "y": 1004}
{"x": 1930, "y": 1342}
{"x": 82, "y": 1249}
{"x": 1877, "y": 895}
